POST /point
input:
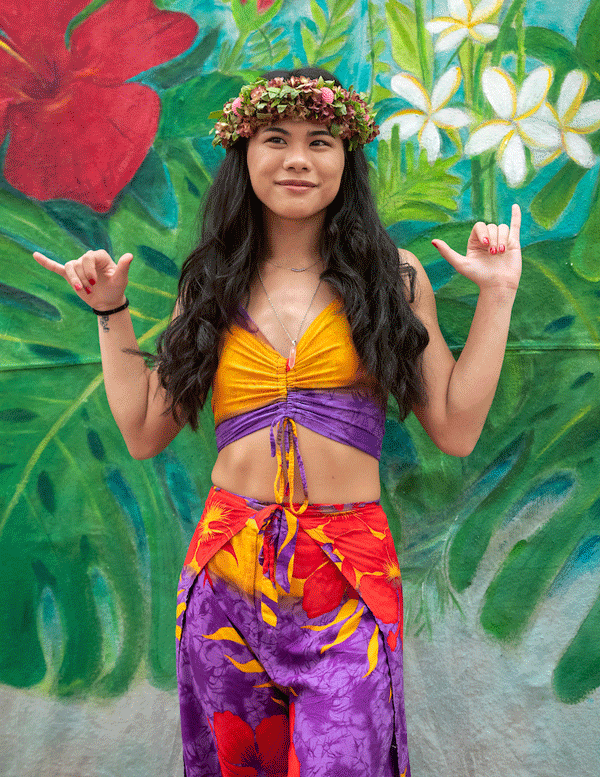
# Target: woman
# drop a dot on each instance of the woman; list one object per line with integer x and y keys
{"x": 298, "y": 312}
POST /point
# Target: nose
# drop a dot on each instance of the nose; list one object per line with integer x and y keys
{"x": 296, "y": 158}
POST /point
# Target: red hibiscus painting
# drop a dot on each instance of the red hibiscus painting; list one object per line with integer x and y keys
{"x": 77, "y": 130}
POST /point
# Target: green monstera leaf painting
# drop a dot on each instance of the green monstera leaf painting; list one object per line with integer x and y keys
{"x": 106, "y": 144}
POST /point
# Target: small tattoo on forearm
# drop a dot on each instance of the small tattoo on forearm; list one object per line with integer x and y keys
{"x": 104, "y": 323}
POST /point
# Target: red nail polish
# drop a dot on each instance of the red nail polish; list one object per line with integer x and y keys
{"x": 502, "y": 249}
{"x": 486, "y": 241}
{"x": 77, "y": 287}
{"x": 92, "y": 281}
{"x": 493, "y": 250}
{"x": 88, "y": 291}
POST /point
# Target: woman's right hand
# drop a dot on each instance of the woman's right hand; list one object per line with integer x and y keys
{"x": 95, "y": 278}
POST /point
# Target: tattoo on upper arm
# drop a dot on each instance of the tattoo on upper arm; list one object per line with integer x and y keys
{"x": 104, "y": 323}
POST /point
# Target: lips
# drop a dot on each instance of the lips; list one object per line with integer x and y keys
{"x": 292, "y": 182}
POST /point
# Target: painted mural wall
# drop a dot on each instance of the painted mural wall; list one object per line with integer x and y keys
{"x": 105, "y": 143}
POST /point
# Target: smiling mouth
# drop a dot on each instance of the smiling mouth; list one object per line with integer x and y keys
{"x": 297, "y": 184}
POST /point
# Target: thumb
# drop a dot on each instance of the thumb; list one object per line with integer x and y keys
{"x": 449, "y": 254}
{"x": 123, "y": 264}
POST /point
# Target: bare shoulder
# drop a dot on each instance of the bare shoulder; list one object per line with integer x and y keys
{"x": 406, "y": 257}
{"x": 423, "y": 292}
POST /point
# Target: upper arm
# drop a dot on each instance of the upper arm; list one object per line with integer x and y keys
{"x": 438, "y": 362}
{"x": 160, "y": 426}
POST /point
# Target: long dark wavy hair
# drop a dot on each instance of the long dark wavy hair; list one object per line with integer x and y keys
{"x": 361, "y": 265}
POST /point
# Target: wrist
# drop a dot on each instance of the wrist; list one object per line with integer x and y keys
{"x": 498, "y": 293}
{"x": 103, "y": 309}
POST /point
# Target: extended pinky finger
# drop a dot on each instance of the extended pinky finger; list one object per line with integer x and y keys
{"x": 515, "y": 223}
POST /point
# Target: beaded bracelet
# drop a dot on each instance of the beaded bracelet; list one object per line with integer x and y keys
{"x": 114, "y": 310}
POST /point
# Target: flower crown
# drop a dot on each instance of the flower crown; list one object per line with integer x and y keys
{"x": 345, "y": 112}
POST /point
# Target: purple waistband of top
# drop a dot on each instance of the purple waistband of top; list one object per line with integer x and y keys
{"x": 346, "y": 417}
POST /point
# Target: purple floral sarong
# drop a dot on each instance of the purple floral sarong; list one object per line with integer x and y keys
{"x": 289, "y": 643}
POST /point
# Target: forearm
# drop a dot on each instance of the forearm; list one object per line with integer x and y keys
{"x": 475, "y": 376}
{"x": 126, "y": 376}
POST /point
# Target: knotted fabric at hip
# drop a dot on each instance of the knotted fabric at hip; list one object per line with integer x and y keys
{"x": 279, "y": 529}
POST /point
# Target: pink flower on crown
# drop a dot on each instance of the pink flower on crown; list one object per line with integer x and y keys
{"x": 327, "y": 94}
{"x": 237, "y": 103}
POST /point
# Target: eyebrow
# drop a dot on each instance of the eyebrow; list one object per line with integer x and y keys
{"x": 275, "y": 128}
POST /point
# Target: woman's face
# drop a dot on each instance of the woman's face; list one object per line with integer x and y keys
{"x": 295, "y": 167}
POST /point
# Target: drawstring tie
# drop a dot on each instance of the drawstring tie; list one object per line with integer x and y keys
{"x": 279, "y": 530}
{"x": 284, "y": 445}
{"x": 278, "y": 521}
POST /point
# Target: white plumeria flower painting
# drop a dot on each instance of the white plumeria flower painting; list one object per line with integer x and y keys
{"x": 465, "y": 21}
{"x": 428, "y": 113}
{"x": 518, "y": 123}
{"x": 573, "y": 120}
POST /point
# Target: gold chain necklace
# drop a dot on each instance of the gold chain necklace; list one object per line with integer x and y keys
{"x": 291, "y": 359}
{"x": 293, "y": 269}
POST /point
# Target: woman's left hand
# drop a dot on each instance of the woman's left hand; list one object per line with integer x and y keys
{"x": 493, "y": 258}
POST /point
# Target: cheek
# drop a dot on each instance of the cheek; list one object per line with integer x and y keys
{"x": 335, "y": 177}
{"x": 255, "y": 161}
{"x": 337, "y": 168}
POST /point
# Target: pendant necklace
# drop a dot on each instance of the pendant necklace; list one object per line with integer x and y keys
{"x": 291, "y": 359}
{"x": 293, "y": 269}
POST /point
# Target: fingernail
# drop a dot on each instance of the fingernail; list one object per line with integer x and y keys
{"x": 88, "y": 291}
{"x": 486, "y": 241}
{"x": 501, "y": 249}
{"x": 493, "y": 250}
{"x": 92, "y": 281}
{"x": 77, "y": 287}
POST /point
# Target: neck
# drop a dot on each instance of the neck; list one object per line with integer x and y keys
{"x": 293, "y": 242}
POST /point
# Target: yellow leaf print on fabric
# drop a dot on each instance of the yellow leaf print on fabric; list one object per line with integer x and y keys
{"x": 373, "y": 651}
{"x": 250, "y": 667}
{"x": 228, "y": 633}
{"x": 346, "y": 611}
{"x": 380, "y": 535}
{"x": 268, "y": 615}
{"x": 317, "y": 533}
{"x": 235, "y": 562}
{"x": 346, "y": 631}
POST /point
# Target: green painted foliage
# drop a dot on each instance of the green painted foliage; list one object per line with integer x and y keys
{"x": 408, "y": 188}
{"x": 326, "y": 34}
{"x": 517, "y": 510}
{"x": 92, "y": 541}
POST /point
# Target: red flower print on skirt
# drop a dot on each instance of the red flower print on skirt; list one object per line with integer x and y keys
{"x": 324, "y": 585}
{"x": 247, "y": 753}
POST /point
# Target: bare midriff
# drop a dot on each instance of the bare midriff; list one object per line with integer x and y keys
{"x": 335, "y": 473}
